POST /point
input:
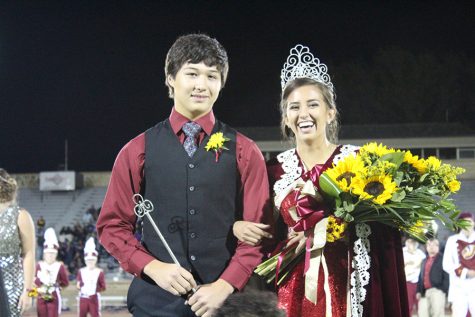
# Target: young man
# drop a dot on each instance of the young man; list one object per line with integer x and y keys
{"x": 197, "y": 194}
{"x": 433, "y": 283}
{"x": 459, "y": 258}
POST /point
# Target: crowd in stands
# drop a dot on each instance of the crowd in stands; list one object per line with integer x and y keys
{"x": 72, "y": 239}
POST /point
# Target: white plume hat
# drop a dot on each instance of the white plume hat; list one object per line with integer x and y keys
{"x": 51, "y": 241}
{"x": 90, "y": 252}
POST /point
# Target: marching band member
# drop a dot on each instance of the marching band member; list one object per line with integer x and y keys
{"x": 90, "y": 282}
{"x": 51, "y": 276}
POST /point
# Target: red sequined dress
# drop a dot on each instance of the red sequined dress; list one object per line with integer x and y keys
{"x": 383, "y": 294}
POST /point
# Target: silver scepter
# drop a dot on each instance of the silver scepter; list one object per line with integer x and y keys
{"x": 143, "y": 207}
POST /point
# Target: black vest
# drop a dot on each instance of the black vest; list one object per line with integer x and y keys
{"x": 194, "y": 200}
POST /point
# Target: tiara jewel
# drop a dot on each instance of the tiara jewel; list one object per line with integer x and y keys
{"x": 302, "y": 64}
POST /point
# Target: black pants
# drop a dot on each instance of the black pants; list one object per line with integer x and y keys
{"x": 146, "y": 299}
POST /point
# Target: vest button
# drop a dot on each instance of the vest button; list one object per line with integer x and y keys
{"x": 192, "y": 188}
{"x": 192, "y": 258}
{"x": 192, "y": 211}
{"x": 192, "y": 235}
{"x": 191, "y": 165}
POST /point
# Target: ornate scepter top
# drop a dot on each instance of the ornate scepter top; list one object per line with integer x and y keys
{"x": 142, "y": 206}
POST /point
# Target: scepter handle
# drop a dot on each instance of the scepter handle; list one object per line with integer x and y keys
{"x": 162, "y": 238}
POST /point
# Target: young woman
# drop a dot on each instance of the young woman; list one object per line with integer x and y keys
{"x": 17, "y": 247}
{"x": 361, "y": 274}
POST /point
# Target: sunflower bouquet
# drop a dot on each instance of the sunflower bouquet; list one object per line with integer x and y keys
{"x": 393, "y": 187}
{"x": 376, "y": 184}
{"x": 44, "y": 291}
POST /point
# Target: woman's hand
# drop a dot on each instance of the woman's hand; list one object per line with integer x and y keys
{"x": 251, "y": 233}
{"x": 296, "y": 237}
{"x": 25, "y": 302}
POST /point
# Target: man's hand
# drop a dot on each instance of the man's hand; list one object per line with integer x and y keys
{"x": 170, "y": 277}
{"x": 470, "y": 273}
{"x": 209, "y": 297}
{"x": 251, "y": 233}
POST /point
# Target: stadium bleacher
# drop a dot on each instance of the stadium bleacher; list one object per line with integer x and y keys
{"x": 60, "y": 208}
{"x": 465, "y": 198}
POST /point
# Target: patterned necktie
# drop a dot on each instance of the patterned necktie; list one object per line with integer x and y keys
{"x": 191, "y": 129}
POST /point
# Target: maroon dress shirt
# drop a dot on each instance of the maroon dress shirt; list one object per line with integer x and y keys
{"x": 116, "y": 222}
{"x": 427, "y": 267}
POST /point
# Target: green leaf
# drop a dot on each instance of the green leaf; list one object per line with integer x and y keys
{"x": 328, "y": 186}
{"x": 463, "y": 223}
{"x": 395, "y": 213}
{"x": 348, "y": 218}
{"x": 396, "y": 158}
{"x": 423, "y": 177}
{"x": 398, "y": 196}
{"x": 398, "y": 177}
{"x": 340, "y": 213}
{"x": 447, "y": 204}
{"x": 433, "y": 191}
{"x": 338, "y": 202}
{"x": 349, "y": 207}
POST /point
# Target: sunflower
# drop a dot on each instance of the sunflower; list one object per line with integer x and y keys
{"x": 378, "y": 149}
{"x": 378, "y": 188}
{"x": 414, "y": 161}
{"x": 345, "y": 170}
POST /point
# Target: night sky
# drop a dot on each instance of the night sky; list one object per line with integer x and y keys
{"x": 92, "y": 71}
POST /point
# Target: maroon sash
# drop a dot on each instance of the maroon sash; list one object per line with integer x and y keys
{"x": 466, "y": 251}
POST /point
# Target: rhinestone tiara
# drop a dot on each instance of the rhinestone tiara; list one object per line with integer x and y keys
{"x": 302, "y": 64}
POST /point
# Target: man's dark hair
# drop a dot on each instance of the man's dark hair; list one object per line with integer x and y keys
{"x": 195, "y": 49}
{"x": 250, "y": 303}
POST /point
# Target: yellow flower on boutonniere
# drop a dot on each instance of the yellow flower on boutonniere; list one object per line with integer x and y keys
{"x": 216, "y": 144}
